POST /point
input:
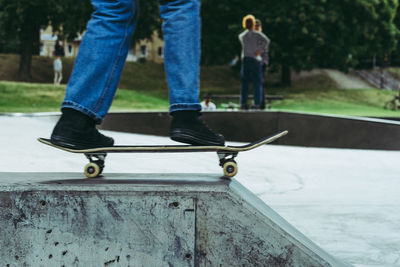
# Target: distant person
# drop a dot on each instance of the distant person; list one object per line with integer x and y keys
{"x": 57, "y": 67}
{"x": 59, "y": 49}
{"x": 254, "y": 44}
{"x": 264, "y": 57}
{"x": 207, "y": 105}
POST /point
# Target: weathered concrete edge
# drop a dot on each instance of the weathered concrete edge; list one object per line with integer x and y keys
{"x": 120, "y": 182}
{"x": 238, "y": 191}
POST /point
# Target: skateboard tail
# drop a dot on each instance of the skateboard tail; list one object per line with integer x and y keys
{"x": 259, "y": 142}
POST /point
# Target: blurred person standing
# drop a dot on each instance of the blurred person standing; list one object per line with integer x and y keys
{"x": 57, "y": 67}
{"x": 254, "y": 45}
{"x": 264, "y": 59}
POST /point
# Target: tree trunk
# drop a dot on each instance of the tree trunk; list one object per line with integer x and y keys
{"x": 286, "y": 76}
{"x": 27, "y": 37}
{"x": 36, "y": 42}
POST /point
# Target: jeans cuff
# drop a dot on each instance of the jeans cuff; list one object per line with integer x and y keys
{"x": 80, "y": 108}
{"x": 184, "y": 106}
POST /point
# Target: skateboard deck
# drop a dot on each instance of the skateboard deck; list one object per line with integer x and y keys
{"x": 226, "y": 154}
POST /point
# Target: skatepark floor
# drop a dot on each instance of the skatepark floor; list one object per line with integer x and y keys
{"x": 344, "y": 200}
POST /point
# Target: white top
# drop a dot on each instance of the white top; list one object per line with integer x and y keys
{"x": 211, "y": 106}
{"x": 57, "y": 64}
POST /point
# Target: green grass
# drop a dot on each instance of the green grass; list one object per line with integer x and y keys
{"x": 34, "y": 97}
{"x": 145, "y": 88}
{"x": 319, "y": 95}
{"x": 131, "y": 100}
{"x": 330, "y": 105}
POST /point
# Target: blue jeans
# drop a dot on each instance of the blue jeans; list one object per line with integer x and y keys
{"x": 251, "y": 71}
{"x": 102, "y": 54}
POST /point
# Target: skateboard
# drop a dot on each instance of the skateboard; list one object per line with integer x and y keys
{"x": 226, "y": 154}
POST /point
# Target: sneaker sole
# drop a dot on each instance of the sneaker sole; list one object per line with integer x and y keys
{"x": 72, "y": 144}
{"x": 188, "y": 137}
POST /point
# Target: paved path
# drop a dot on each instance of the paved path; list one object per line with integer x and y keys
{"x": 341, "y": 79}
{"x": 345, "y": 200}
{"x": 346, "y": 81}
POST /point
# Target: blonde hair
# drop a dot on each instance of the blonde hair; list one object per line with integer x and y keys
{"x": 246, "y": 18}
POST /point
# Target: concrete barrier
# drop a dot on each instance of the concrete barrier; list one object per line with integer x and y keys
{"x": 304, "y": 129}
{"x": 57, "y": 219}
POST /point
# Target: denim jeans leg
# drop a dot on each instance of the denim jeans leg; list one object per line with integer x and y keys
{"x": 257, "y": 82}
{"x": 244, "y": 85}
{"x": 181, "y": 30}
{"x": 101, "y": 57}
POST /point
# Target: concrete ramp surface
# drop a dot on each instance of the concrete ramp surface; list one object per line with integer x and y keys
{"x": 56, "y": 219}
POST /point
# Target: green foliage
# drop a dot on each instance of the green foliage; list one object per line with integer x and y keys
{"x": 149, "y": 20}
{"x": 71, "y": 18}
{"x": 304, "y": 33}
{"x": 25, "y": 16}
{"x": 221, "y": 24}
{"x": 68, "y": 17}
{"x": 22, "y": 19}
{"x": 356, "y": 30}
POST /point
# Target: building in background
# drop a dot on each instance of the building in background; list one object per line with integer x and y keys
{"x": 144, "y": 50}
{"x": 151, "y": 50}
{"x": 48, "y": 41}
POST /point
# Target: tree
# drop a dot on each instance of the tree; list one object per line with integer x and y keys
{"x": 357, "y": 30}
{"x": 221, "y": 24}
{"x": 395, "y": 57}
{"x": 296, "y": 31}
{"x": 26, "y": 17}
{"x": 67, "y": 17}
{"x": 304, "y": 33}
{"x": 149, "y": 21}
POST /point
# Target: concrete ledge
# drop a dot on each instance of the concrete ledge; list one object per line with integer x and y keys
{"x": 311, "y": 130}
{"x": 55, "y": 219}
{"x": 304, "y": 129}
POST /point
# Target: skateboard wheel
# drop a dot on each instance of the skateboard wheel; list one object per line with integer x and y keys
{"x": 99, "y": 163}
{"x": 230, "y": 168}
{"x": 92, "y": 170}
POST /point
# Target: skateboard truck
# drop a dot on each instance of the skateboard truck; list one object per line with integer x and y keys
{"x": 96, "y": 164}
{"x": 228, "y": 163}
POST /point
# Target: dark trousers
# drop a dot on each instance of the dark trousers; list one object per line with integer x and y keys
{"x": 264, "y": 69}
{"x": 251, "y": 71}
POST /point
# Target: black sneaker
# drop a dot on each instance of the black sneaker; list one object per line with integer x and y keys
{"x": 244, "y": 107}
{"x": 78, "y": 131}
{"x": 187, "y": 127}
{"x": 255, "y": 107}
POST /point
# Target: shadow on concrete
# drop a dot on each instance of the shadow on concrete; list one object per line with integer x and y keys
{"x": 79, "y": 179}
{"x": 143, "y": 178}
